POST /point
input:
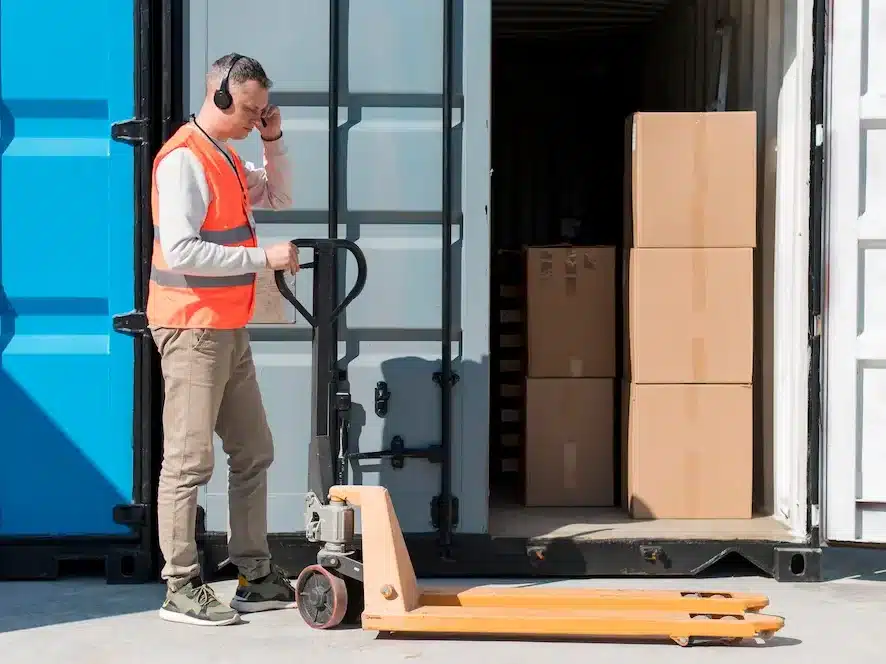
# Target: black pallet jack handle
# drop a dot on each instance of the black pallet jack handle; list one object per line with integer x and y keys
{"x": 327, "y": 416}
{"x": 324, "y": 249}
{"x": 330, "y": 390}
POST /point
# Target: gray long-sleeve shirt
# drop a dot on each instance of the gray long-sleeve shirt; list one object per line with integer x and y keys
{"x": 184, "y": 197}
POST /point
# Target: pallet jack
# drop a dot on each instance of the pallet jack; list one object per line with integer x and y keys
{"x": 376, "y": 586}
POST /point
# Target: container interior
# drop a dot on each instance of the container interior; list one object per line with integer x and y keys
{"x": 565, "y": 75}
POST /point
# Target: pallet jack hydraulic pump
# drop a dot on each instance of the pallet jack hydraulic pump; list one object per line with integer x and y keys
{"x": 375, "y": 584}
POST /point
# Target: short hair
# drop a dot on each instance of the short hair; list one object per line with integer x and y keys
{"x": 245, "y": 69}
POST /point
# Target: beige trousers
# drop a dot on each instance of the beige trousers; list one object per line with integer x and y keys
{"x": 210, "y": 385}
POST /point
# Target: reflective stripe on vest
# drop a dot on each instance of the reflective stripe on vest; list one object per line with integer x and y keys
{"x": 178, "y": 280}
{"x": 229, "y": 236}
{"x": 183, "y": 300}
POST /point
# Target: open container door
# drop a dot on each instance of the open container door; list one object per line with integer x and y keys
{"x": 855, "y": 456}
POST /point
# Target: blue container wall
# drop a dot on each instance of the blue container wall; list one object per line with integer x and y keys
{"x": 390, "y": 202}
{"x": 66, "y": 265}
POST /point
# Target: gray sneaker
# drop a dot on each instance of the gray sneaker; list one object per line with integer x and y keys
{"x": 196, "y": 604}
{"x": 271, "y": 592}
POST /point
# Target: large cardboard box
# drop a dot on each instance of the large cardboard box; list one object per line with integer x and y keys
{"x": 570, "y": 307}
{"x": 689, "y": 451}
{"x": 570, "y": 442}
{"x": 691, "y": 180}
{"x": 690, "y": 316}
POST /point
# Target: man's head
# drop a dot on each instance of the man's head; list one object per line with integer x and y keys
{"x": 247, "y": 85}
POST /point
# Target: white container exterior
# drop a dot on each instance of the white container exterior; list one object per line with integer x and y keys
{"x": 855, "y": 311}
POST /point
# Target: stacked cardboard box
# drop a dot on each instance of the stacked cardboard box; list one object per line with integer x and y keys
{"x": 570, "y": 389}
{"x": 690, "y": 236}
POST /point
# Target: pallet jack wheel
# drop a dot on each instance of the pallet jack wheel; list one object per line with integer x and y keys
{"x": 322, "y": 597}
{"x": 354, "y": 611}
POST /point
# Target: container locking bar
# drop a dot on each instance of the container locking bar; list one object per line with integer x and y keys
{"x": 398, "y": 453}
{"x": 444, "y": 507}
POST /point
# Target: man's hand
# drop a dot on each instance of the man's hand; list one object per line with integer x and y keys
{"x": 283, "y": 256}
{"x": 269, "y": 125}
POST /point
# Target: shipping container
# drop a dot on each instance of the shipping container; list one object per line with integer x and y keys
{"x": 74, "y": 394}
{"x": 505, "y": 120}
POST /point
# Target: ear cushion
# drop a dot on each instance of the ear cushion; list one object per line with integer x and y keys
{"x": 222, "y": 99}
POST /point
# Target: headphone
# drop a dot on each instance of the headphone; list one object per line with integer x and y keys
{"x": 222, "y": 96}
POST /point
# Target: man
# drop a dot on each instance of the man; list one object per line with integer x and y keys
{"x": 201, "y": 296}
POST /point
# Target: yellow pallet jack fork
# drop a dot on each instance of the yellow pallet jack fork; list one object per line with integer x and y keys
{"x": 376, "y": 586}
{"x": 395, "y": 602}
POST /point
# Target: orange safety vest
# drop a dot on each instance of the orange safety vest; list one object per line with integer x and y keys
{"x": 186, "y": 301}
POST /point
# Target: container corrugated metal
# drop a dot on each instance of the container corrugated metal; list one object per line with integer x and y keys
{"x": 855, "y": 317}
{"x": 390, "y": 202}
{"x": 66, "y": 267}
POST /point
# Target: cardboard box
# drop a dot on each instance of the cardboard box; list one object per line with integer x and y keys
{"x": 692, "y": 180}
{"x": 570, "y": 304}
{"x": 690, "y": 316}
{"x": 570, "y": 442}
{"x": 689, "y": 451}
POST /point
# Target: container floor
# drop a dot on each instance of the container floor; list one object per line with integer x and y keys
{"x": 607, "y": 523}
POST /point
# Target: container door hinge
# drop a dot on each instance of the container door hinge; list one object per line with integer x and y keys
{"x": 438, "y": 378}
{"x": 133, "y": 131}
{"x": 437, "y": 504}
{"x": 816, "y": 326}
{"x": 133, "y": 515}
{"x": 133, "y": 323}
{"x": 815, "y": 516}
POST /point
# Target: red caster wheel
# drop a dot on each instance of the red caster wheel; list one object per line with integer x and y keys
{"x": 322, "y": 597}
{"x": 354, "y": 612}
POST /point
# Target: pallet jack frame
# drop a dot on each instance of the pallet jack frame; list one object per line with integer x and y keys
{"x": 376, "y": 585}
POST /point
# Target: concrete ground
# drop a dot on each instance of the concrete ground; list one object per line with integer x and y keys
{"x": 85, "y": 621}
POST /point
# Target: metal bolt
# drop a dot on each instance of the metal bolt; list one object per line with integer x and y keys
{"x": 388, "y": 592}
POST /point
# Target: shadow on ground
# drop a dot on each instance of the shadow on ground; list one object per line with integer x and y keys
{"x": 31, "y": 604}
{"x": 774, "y": 642}
{"x": 850, "y": 563}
